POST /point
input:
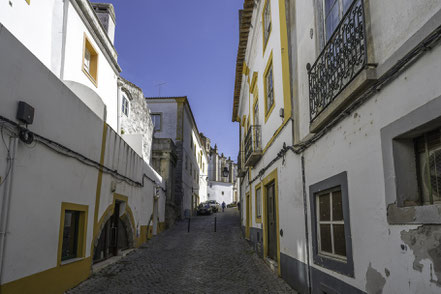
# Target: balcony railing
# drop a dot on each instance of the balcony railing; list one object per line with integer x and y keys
{"x": 253, "y": 145}
{"x": 342, "y": 59}
{"x": 241, "y": 171}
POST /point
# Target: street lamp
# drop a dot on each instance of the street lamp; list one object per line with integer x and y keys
{"x": 225, "y": 172}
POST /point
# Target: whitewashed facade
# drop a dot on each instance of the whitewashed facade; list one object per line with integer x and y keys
{"x": 63, "y": 192}
{"x": 356, "y": 99}
{"x": 173, "y": 119}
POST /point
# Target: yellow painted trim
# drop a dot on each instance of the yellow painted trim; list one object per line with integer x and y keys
{"x": 269, "y": 65}
{"x": 93, "y": 74}
{"x": 28, "y": 1}
{"x": 98, "y": 184}
{"x": 264, "y": 44}
{"x": 272, "y": 177}
{"x": 253, "y": 82}
{"x": 285, "y": 62}
{"x": 257, "y": 187}
{"x": 110, "y": 209}
{"x": 256, "y": 101}
{"x": 248, "y": 216}
{"x": 274, "y": 137}
{"x": 55, "y": 280}
{"x": 82, "y": 229}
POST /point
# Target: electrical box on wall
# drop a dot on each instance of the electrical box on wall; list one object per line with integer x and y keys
{"x": 25, "y": 113}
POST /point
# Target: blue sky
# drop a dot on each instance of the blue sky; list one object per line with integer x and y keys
{"x": 191, "y": 45}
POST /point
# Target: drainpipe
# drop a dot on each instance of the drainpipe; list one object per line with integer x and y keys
{"x": 118, "y": 107}
{"x": 305, "y": 213}
{"x": 4, "y": 219}
{"x": 64, "y": 33}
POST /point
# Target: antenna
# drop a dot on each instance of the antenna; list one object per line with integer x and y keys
{"x": 159, "y": 87}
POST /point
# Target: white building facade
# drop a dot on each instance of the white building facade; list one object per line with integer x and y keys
{"x": 339, "y": 110}
{"x": 173, "y": 118}
{"x": 73, "y": 191}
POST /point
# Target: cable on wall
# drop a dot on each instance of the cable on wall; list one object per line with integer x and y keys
{"x": 66, "y": 151}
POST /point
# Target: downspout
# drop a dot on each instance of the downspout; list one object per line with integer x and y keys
{"x": 118, "y": 107}
{"x": 64, "y": 34}
{"x": 13, "y": 142}
{"x": 305, "y": 213}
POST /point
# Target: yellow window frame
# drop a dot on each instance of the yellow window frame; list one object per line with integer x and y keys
{"x": 269, "y": 65}
{"x": 82, "y": 231}
{"x": 269, "y": 179}
{"x": 267, "y": 2}
{"x": 92, "y": 73}
{"x": 257, "y": 187}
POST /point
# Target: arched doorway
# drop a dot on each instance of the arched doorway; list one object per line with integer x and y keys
{"x": 116, "y": 235}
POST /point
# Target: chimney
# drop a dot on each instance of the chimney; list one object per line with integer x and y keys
{"x": 106, "y": 15}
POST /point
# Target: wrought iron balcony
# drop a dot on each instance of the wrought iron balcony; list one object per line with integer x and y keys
{"x": 241, "y": 171}
{"x": 342, "y": 59}
{"x": 253, "y": 145}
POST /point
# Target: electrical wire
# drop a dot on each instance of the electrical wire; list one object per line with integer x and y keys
{"x": 66, "y": 151}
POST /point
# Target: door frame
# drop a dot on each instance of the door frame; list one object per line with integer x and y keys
{"x": 270, "y": 178}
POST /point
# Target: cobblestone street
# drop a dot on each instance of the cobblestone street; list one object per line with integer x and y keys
{"x": 201, "y": 261}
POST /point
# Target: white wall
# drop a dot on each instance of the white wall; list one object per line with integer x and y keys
{"x": 42, "y": 178}
{"x": 168, "y": 109}
{"x": 215, "y": 190}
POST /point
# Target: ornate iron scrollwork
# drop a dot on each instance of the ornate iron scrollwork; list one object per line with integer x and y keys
{"x": 343, "y": 57}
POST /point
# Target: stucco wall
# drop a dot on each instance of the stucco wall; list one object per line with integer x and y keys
{"x": 43, "y": 179}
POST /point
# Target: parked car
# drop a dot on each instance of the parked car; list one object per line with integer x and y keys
{"x": 233, "y": 204}
{"x": 204, "y": 208}
{"x": 215, "y": 206}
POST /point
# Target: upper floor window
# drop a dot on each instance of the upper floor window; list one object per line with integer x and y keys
{"x": 157, "y": 121}
{"x": 266, "y": 22}
{"x": 258, "y": 203}
{"x": 90, "y": 61}
{"x": 269, "y": 89}
{"x": 428, "y": 156}
{"x": 333, "y": 13}
{"x": 125, "y": 105}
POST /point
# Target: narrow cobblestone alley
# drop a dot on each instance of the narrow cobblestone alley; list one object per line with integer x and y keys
{"x": 202, "y": 261}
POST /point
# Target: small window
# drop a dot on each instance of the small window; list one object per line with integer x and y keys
{"x": 269, "y": 89}
{"x": 222, "y": 192}
{"x": 72, "y": 239}
{"x": 331, "y": 229}
{"x": 266, "y": 22}
{"x": 330, "y": 224}
{"x": 125, "y": 105}
{"x": 90, "y": 61}
{"x": 428, "y": 156}
{"x": 259, "y": 203}
{"x": 70, "y": 235}
{"x": 157, "y": 121}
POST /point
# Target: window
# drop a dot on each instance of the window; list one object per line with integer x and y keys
{"x": 331, "y": 232}
{"x": 186, "y": 162}
{"x": 411, "y": 163}
{"x": 258, "y": 203}
{"x": 157, "y": 121}
{"x": 72, "y": 242}
{"x": 222, "y": 192}
{"x": 330, "y": 224}
{"x": 90, "y": 61}
{"x": 70, "y": 234}
{"x": 428, "y": 157}
{"x": 333, "y": 13}
{"x": 125, "y": 105}
{"x": 266, "y": 22}
{"x": 269, "y": 88}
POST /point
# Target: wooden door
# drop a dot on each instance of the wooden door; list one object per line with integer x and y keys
{"x": 271, "y": 221}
